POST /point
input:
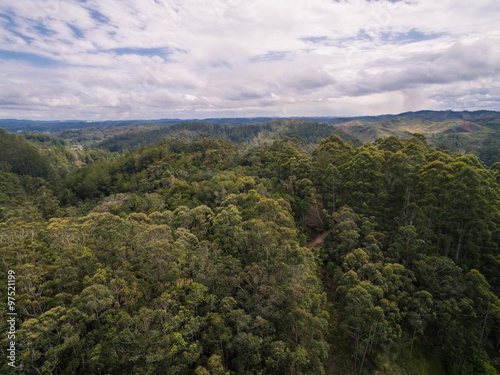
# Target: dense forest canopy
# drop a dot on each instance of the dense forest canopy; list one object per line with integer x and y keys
{"x": 196, "y": 254}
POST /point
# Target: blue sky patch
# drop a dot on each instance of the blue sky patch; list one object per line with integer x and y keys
{"x": 30, "y": 58}
{"x": 221, "y": 64}
{"x": 99, "y": 17}
{"x": 316, "y": 39}
{"x": 11, "y": 26}
{"x": 5, "y": 17}
{"x": 27, "y": 39}
{"x": 270, "y": 56}
{"x": 43, "y": 30}
{"x": 363, "y": 35}
{"x": 76, "y": 31}
{"x": 411, "y": 36}
{"x": 161, "y": 52}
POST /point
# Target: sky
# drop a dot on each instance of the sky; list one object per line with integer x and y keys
{"x": 149, "y": 59}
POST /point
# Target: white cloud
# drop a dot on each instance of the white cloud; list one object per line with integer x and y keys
{"x": 192, "y": 58}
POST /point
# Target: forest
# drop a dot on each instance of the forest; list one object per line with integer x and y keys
{"x": 285, "y": 247}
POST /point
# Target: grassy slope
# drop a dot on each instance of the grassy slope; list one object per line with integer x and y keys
{"x": 403, "y": 128}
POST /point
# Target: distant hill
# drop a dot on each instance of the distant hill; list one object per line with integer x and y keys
{"x": 404, "y": 127}
{"x": 475, "y": 116}
{"x": 487, "y": 118}
{"x": 13, "y": 125}
{"x": 476, "y": 132}
{"x": 308, "y": 132}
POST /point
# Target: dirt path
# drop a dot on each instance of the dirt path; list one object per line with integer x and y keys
{"x": 318, "y": 240}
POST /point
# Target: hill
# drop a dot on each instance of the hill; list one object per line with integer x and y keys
{"x": 190, "y": 255}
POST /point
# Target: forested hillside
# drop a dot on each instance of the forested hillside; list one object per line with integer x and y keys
{"x": 194, "y": 254}
{"x": 479, "y": 135}
{"x": 476, "y": 132}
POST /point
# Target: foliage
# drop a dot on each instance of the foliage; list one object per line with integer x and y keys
{"x": 188, "y": 256}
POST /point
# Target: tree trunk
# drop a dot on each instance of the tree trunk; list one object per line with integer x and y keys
{"x": 412, "y": 340}
{"x": 484, "y": 326}
{"x": 368, "y": 345}
{"x": 448, "y": 246}
{"x": 407, "y": 220}
{"x": 458, "y": 249}
{"x": 333, "y": 196}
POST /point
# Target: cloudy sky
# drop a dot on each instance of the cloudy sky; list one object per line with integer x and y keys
{"x": 149, "y": 59}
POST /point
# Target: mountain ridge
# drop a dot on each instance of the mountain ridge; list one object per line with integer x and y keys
{"x": 14, "y": 125}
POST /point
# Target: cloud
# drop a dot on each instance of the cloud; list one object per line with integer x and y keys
{"x": 169, "y": 58}
{"x": 459, "y": 62}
